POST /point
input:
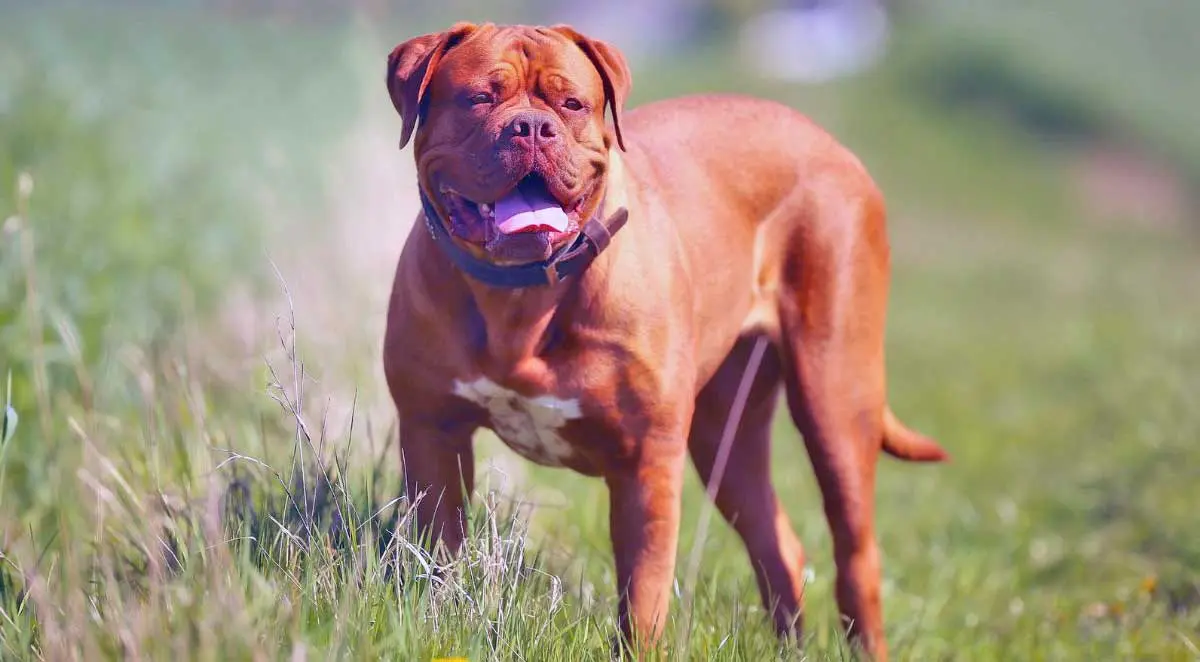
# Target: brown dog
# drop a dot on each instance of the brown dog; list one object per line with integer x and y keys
{"x": 521, "y": 305}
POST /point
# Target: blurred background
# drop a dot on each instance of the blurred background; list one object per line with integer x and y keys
{"x": 201, "y": 203}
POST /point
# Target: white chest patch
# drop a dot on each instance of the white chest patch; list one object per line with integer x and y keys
{"x": 530, "y": 426}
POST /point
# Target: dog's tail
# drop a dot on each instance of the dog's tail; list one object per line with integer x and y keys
{"x": 905, "y": 444}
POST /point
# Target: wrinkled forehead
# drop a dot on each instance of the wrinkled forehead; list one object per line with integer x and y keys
{"x": 499, "y": 54}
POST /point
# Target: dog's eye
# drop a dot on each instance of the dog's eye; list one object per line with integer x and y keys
{"x": 573, "y": 104}
{"x": 480, "y": 98}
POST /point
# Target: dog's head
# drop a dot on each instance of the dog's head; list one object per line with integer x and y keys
{"x": 512, "y": 147}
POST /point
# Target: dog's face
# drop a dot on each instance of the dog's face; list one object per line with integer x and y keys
{"x": 512, "y": 147}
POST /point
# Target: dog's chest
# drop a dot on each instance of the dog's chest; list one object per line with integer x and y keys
{"x": 531, "y": 426}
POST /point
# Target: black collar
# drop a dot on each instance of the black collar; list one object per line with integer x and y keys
{"x": 568, "y": 260}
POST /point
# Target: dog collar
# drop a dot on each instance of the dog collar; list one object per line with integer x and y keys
{"x": 568, "y": 260}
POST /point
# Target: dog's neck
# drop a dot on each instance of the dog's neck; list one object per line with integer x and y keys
{"x": 518, "y": 322}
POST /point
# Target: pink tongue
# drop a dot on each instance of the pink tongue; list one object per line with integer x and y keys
{"x": 529, "y": 211}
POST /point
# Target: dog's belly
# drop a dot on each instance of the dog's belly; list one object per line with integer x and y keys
{"x": 763, "y": 316}
{"x": 532, "y": 427}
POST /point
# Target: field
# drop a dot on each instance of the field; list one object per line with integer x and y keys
{"x": 200, "y": 230}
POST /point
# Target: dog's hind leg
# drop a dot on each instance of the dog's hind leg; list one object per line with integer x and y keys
{"x": 832, "y": 309}
{"x": 745, "y": 496}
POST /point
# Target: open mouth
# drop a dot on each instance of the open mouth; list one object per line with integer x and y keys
{"x": 528, "y": 209}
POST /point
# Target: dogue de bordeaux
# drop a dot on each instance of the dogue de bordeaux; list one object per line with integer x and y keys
{"x": 593, "y": 292}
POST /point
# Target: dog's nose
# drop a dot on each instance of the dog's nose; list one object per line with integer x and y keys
{"x": 532, "y": 126}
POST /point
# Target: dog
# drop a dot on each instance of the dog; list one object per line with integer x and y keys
{"x": 593, "y": 293}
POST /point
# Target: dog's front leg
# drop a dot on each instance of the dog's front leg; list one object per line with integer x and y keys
{"x": 644, "y": 510}
{"x": 439, "y": 475}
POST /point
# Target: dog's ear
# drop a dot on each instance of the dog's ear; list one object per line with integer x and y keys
{"x": 410, "y": 67}
{"x": 614, "y": 71}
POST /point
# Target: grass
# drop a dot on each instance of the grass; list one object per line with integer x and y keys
{"x": 1105, "y": 59}
{"x": 154, "y": 506}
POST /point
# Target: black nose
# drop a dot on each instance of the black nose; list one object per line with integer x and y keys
{"x": 532, "y": 126}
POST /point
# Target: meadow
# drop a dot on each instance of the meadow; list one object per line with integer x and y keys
{"x": 198, "y": 218}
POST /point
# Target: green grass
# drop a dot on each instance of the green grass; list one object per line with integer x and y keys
{"x": 153, "y": 507}
{"x": 1127, "y": 66}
